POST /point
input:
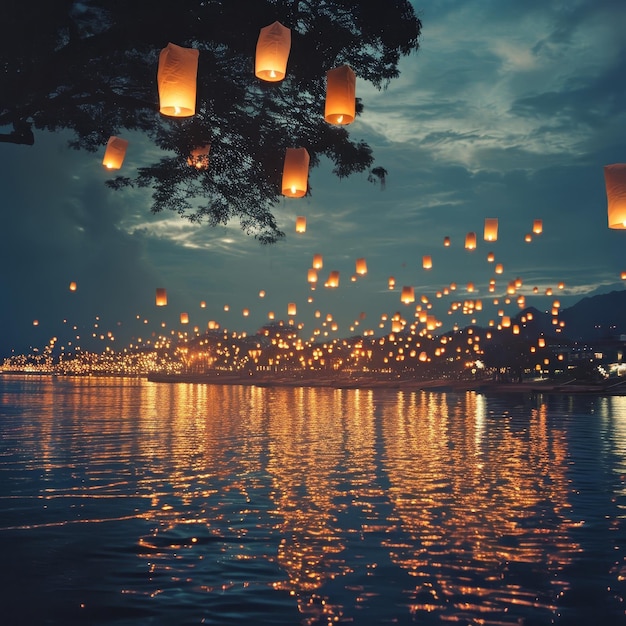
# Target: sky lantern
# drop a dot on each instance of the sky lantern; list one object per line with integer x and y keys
{"x": 161, "y": 296}
{"x": 73, "y": 286}
{"x": 470, "y": 241}
{"x": 491, "y": 229}
{"x": 623, "y": 275}
{"x": 361, "y": 267}
{"x": 295, "y": 172}
{"x": 491, "y": 257}
{"x": 427, "y": 262}
{"x": 199, "y": 157}
{"x": 176, "y": 79}
{"x": 499, "y": 268}
{"x": 301, "y": 224}
{"x": 408, "y": 295}
{"x": 115, "y": 153}
{"x": 35, "y": 322}
{"x": 391, "y": 282}
{"x": 528, "y": 237}
{"x": 537, "y": 227}
{"x": 318, "y": 262}
{"x": 333, "y": 279}
{"x": 312, "y": 275}
{"x": 291, "y": 308}
{"x": 615, "y": 182}
{"x": 272, "y": 52}
{"x": 245, "y": 312}
{"x": 446, "y": 242}
{"x": 184, "y": 318}
{"x": 202, "y": 304}
{"x": 340, "y": 105}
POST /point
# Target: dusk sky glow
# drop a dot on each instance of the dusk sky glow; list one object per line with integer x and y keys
{"x": 509, "y": 110}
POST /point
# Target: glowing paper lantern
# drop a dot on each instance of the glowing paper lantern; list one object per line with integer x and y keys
{"x": 199, "y": 157}
{"x": 427, "y": 262}
{"x": 115, "y": 153}
{"x": 312, "y": 275}
{"x": 318, "y": 262}
{"x": 615, "y": 182}
{"x": 391, "y": 283}
{"x": 272, "y": 52}
{"x": 499, "y": 268}
{"x": 291, "y": 308}
{"x": 333, "y": 279}
{"x": 408, "y": 295}
{"x": 161, "y": 296}
{"x": 295, "y": 172}
{"x": 184, "y": 318}
{"x": 470, "y": 241}
{"x": 446, "y": 242}
{"x": 537, "y": 227}
{"x": 361, "y": 267}
{"x": 340, "y": 105}
{"x": 176, "y": 78}
{"x": 491, "y": 229}
{"x": 300, "y": 224}
{"x": 73, "y": 286}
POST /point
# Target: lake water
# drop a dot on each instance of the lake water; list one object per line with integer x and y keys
{"x": 125, "y": 502}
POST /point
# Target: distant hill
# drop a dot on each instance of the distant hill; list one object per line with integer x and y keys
{"x": 596, "y": 317}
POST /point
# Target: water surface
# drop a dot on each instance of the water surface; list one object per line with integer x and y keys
{"x": 125, "y": 502}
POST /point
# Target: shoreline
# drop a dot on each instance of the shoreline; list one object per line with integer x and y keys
{"x": 401, "y": 384}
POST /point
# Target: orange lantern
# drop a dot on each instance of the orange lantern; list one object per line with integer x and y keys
{"x": 73, "y": 286}
{"x": 300, "y": 224}
{"x": 291, "y": 308}
{"x": 615, "y": 182}
{"x": 361, "y": 267}
{"x": 446, "y": 242}
{"x": 470, "y": 241}
{"x": 491, "y": 229}
{"x": 333, "y": 279}
{"x": 408, "y": 295}
{"x": 427, "y": 262}
{"x": 184, "y": 318}
{"x": 115, "y": 153}
{"x": 312, "y": 275}
{"x": 176, "y": 78}
{"x": 537, "y": 227}
{"x": 199, "y": 157}
{"x": 499, "y": 268}
{"x": 528, "y": 237}
{"x": 161, "y": 296}
{"x": 340, "y": 105}
{"x": 295, "y": 172}
{"x": 318, "y": 261}
{"x": 272, "y": 52}
{"x": 391, "y": 283}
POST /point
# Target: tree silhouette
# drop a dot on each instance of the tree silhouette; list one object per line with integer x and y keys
{"x": 90, "y": 67}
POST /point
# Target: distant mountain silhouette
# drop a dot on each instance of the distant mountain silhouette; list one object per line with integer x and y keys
{"x": 595, "y": 317}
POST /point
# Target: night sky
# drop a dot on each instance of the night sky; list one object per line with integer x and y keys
{"x": 509, "y": 110}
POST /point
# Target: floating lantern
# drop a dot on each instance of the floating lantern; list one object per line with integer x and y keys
{"x": 491, "y": 229}
{"x": 202, "y": 304}
{"x": 115, "y": 153}
{"x": 340, "y": 105}
{"x": 262, "y": 293}
{"x": 391, "y": 283}
{"x": 73, "y": 286}
{"x": 312, "y": 275}
{"x": 199, "y": 157}
{"x": 491, "y": 257}
{"x": 291, "y": 308}
{"x": 408, "y": 295}
{"x": 615, "y": 182}
{"x": 499, "y": 268}
{"x": 333, "y": 279}
{"x": 272, "y": 52}
{"x": 361, "y": 266}
{"x": 427, "y": 262}
{"x": 318, "y": 262}
{"x": 300, "y": 224}
{"x": 161, "y": 296}
{"x": 528, "y": 237}
{"x": 176, "y": 78}
{"x": 184, "y": 318}
{"x": 446, "y": 242}
{"x": 35, "y": 322}
{"x": 295, "y": 172}
{"x": 470, "y": 241}
{"x": 537, "y": 227}
{"x": 245, "y": 312}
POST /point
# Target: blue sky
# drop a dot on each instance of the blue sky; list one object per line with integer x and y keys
{"x": 509, "y": 110}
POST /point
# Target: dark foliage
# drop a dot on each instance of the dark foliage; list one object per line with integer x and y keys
{"x": 90, "y": 67}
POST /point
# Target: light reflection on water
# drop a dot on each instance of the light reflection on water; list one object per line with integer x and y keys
{"x": 128, "y": 502}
